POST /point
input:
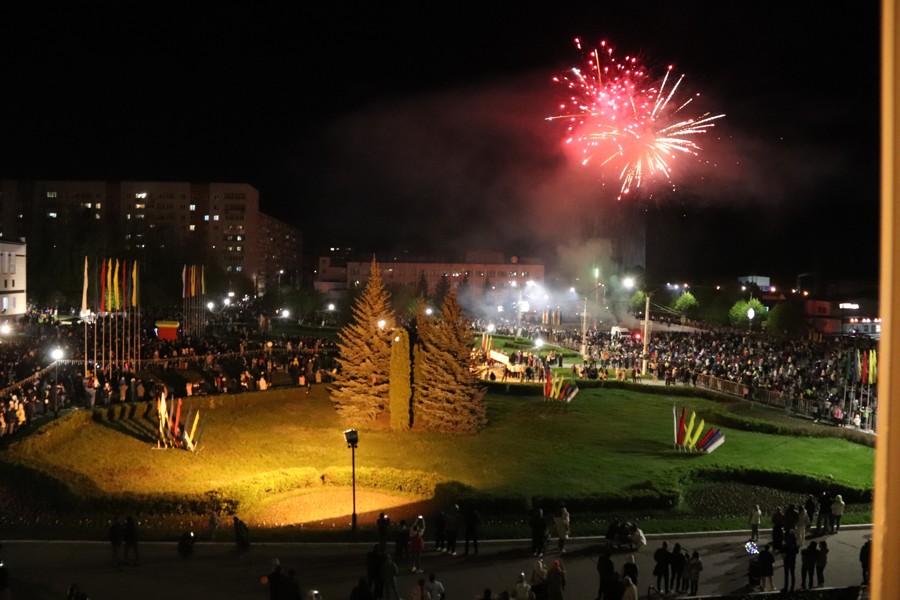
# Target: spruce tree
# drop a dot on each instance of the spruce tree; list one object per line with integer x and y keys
{"x": 447, "y": 396}
{"x": 360, "y": 390}
{"x": 401, "y": 387}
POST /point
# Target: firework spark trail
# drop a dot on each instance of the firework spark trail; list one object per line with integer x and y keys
{"x": 619, "y": 116}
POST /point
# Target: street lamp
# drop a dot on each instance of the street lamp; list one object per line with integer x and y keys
{"x": 750, "y": 314}
{"x": 57, "y": 355}
{"x": 352, "y": 437}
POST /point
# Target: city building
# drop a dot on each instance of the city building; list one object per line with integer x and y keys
{"x": 13, "y": 298}
{"x": 485, "y": 273}
{"x": 221, "y": 221}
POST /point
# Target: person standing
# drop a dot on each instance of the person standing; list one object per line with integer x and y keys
{"x": 275, "y": 580}
{"x": 808, "y": 558}
{"x": 538, "y": 532}
{"x": 695, "y": 566}
{"x": 130, "y": 536}
{"x": 810, "y": 506}
{"x": 607, "y": 572}
{"x": 539, "y": 579}
{"x": 452, "y": 530}
{"x": 389, "y": 578}
{"x": 755, "y": 518}
{"x": 440, "y": 531}
{"x": 789, "y": 554}
{"x": 821, "y": 563}
{"x": 662, "y": 557}
{"x": 418, "y": 591}
{"x": 213, "y": 524}
{"x": 401, "y": 541}
{"x": 383, "y": 525}
{"x": 766, "y": 568}
{"x": 679, "y": 561}
{"x": 823, "y": 521}
{"x": 865, "y": 559}
{"x": 116, "y": 538}
{"x": 361, "y": 591}
{"x": 562, "y": 528}
{"x": 416, "y": 545}
{"x": 837, "y": 511}
{"x": 556, "y": 581}
{"x": 473, "y": 528}
{"x": 803, "y": 525}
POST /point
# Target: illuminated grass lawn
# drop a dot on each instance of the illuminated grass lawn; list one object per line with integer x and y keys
{"x": 254, "y": 446}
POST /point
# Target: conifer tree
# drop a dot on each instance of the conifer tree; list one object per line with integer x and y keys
{"x": 447, "y": 396}
{"x": 360, "y": 390}
{"x": 401, "y": 386}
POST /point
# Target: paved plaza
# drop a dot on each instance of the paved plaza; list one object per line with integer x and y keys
{"x": 44, "y": 570}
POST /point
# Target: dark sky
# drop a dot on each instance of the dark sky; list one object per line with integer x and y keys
{"x": 385, "y": 126}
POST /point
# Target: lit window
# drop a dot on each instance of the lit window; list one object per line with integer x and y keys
{"x": 140, "y": 195}
{"x": 206, "y": 217}
{"x": 52, "y": 215}
{"x": 215, "y": 217}
{"x": 238, "y": 248}
{"x": 192, "y": 207}
{"x": 51, "y": 194}
{"x": 98, "y": 206}
{"x": 87, "y": 204}
{"x": 97, "y": 216}
{"x": 192, "y": 227}
{"x": 140, "y": 205}
{"x": 239, "y": 268}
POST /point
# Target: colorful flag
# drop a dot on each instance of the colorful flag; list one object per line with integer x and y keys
{"x": 705, "y": 439}
{"x": 202, "y": 280}
{"x": 103, "y": 286}
{"x": 184, "y": 281}
{"x": 109, "y": 297}
{"x": 873, "y": 367}
{"x": 134, "y": 284}
{"x": 681, "y": 426}
{"x": 84, "y": 290}
{"x": 697, "y": 433}
{"x": 116, "y": 304}
{"x": 715, "y": 444}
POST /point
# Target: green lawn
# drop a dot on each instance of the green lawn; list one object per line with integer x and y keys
{"x": 605, "y": 443}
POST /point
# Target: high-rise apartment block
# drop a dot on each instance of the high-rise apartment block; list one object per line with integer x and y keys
{"x": 221, "y": 221}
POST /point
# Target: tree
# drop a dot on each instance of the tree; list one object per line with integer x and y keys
{"x": 786, "y": 319}
{"x": 686, "y": 304}
{"x": 638, "y": 302}
{"x": 360, "y": 390}
{"x": 400, "y": 383}
{"x": 447, "y": 396}
{"x": 738, "y": 314}
{"x": 441, "y": 290}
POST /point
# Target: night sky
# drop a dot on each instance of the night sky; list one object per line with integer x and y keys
{"x": 384, "y": 127}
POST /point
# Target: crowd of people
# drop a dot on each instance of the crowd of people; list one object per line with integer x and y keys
{"x": 811, "y": 369}
{"x": 222, "y": 364}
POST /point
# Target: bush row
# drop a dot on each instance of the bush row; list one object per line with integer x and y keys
{"x": 800, "y": 483}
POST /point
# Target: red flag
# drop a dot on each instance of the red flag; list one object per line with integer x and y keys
{"x": 103, "y": 286}
{"x": 681, "y": 426}
{"x": 547, "y": 385}
{"x": 705, "y": 438}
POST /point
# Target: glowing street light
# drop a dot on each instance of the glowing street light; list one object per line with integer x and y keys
{"x": 57, "y": 355}
{"x": 5, "y": 329}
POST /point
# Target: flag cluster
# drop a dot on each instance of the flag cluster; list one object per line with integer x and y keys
{"x": 559, "y": 388}
{"x": 689, "y": 437}
{"x": 862, "y": 367}
{"x": 176, "y": 432}
{"x": 118, "y": 287}
{"x": 550, "y": 317}
{"x": 193, "y": 281}
{"x": 487, "y": 342}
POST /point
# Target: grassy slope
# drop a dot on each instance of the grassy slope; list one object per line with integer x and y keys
{"x": 605, "y": 440}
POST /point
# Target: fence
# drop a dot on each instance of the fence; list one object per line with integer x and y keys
{"x": 799, "y": 406}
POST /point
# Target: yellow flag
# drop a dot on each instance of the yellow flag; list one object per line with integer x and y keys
{"x": 116, "y": 300}
{"x": 134, "y": 284}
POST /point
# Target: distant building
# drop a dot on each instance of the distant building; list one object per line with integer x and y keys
{"x": 482, "y": 272}
{"x": 13, "y": 297}
{"x": 221, "y": 220}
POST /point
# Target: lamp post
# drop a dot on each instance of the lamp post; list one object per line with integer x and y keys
{"x": 352, "y": 437}
{"x": 750, "y": 314}
{"x": 57, "y": 356}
